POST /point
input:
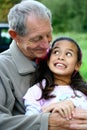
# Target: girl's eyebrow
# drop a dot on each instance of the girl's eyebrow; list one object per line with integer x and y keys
{"x": 70, "y": 49}
{"x": 59, "y": 47}
{"x": 55, "y": 47}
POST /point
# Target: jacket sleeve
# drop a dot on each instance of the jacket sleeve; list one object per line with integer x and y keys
{"x": 8, "y": 121}
{"x": 31, "y": 100}
{"x": 21, "y": 122}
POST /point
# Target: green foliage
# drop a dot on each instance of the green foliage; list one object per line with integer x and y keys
{"x": 4, "y": 8}
{"x": 68, "y": 15}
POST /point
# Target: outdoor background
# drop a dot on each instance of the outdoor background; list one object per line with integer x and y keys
{"x": 69, "y": 19}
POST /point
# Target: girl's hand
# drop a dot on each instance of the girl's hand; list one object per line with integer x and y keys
{"x": 64, "y": 108}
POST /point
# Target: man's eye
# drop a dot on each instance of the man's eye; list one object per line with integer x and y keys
{"x": 36, "y": 39}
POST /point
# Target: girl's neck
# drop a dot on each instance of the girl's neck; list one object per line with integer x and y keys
{"x": 62, "y": 81}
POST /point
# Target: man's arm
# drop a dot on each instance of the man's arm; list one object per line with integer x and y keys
{"x": 8, "y": 105}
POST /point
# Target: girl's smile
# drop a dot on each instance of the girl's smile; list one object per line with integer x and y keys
{"x": 63, "y": 59}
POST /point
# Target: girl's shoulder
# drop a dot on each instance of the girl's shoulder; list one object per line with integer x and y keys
{"x": 35, "y": 90}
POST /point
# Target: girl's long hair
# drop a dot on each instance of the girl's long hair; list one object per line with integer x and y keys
{"x": 43, "y": 72}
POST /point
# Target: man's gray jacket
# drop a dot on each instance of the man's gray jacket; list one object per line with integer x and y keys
{"x": 15, "y": 74}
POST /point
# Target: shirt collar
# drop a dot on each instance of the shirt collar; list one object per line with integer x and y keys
{"x": 23, "y": 64}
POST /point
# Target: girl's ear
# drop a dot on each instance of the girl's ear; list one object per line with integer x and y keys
{"x": 77, "y": 67}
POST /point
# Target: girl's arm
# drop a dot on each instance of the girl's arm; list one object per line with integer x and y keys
{"x": 31, "y": 102}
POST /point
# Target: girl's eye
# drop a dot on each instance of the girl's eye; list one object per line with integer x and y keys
{"x": 69, "y": 54}
{"x": 56, "y": 52}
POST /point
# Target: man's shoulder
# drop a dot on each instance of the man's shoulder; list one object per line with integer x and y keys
{"x": 5, "y": 58}
{"x": 5, "y": 54}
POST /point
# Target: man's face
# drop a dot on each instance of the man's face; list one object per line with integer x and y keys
{"x": 35, "y": 44}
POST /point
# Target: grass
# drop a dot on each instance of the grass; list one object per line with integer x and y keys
{"x": 81, "y": 39}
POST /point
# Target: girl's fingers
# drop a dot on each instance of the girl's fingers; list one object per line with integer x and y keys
{"x": 49, "y": 108}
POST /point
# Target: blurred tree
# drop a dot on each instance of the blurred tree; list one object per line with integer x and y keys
{"x": 4, "y": 8}
{"x": 68, "y": 15}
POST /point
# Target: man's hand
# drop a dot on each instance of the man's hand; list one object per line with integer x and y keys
{"x": 56, "y": 122}
{"x": 79, "y": 121}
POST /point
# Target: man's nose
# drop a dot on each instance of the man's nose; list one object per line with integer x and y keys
{"x": 45, "y": 43}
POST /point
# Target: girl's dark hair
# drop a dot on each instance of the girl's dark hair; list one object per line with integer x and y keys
{"x": 43, "y": 72}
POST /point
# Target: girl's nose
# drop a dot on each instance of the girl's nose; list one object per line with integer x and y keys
{"x": 60, "y": 57}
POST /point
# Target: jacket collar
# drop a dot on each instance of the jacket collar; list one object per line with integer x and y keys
{"x": 23, "y": 64}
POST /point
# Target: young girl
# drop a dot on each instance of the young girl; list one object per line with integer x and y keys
{"x": 57, "y": 83}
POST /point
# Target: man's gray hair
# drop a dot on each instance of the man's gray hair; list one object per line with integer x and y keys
{"x": 18, "y": 15}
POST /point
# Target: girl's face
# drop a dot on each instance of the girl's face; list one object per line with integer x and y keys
{"x": 63, "y": 59}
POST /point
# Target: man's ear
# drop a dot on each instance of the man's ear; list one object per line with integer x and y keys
{"x": 12, "y": 33}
